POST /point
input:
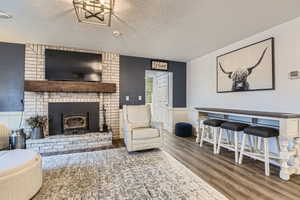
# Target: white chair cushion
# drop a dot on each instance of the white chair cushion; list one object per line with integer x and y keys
{"x": 139, "y": 116}
{"x": 144, "y": 133}
{"x": 12, "y": 161}
{"x": 145, "y": 143}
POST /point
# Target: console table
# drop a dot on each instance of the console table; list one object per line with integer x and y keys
{"x": 289, "y": 129}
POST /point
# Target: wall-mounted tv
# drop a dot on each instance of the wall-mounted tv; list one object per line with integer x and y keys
{"x": 72, "y": 66}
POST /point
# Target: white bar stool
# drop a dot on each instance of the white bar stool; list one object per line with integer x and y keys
{"x": 263, "y": 134}
{"x": 210, "y": 132}
{"x": 232, "y": 128}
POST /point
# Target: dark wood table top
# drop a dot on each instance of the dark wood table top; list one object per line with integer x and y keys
{"x": 251, "y": 112}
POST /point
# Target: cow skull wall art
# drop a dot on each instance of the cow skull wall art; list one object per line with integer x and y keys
{"x": 239, "y": 76}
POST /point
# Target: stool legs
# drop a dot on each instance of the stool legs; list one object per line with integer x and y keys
{"x": 266, "y": 154}
{"x": 220, "y": 140}
{"x": 236, "y": 146}
{"x": 200, "y": 130}
{"x": 250, "y": 143}
{"x": 267, "y": 160}
{"x": 228, "y": 137}
{"x": 235, "y": 136}
{"x": 210, "y": 134}
{"x": 242, "y": 148}
{"x": 203, "y": 133}
{"x": 215, "y": 140}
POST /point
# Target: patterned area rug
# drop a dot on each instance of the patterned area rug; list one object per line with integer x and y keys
{"x": 116, "y": 175}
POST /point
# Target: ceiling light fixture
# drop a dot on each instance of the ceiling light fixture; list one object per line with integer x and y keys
{"x": 94, "y": 11}
{"x": 4, "y": 15}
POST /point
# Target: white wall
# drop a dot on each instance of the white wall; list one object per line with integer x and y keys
{"x": 201, "y": 76}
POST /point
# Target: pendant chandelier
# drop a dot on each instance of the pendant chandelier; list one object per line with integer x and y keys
{"x": 94, "y": 11}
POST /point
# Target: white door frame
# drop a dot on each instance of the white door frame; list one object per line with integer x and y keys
{"x": 165, "y": 116}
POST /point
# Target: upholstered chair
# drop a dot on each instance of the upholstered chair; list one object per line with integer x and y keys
{"x": 4, "y": 137}
{"x": 140, "y": 132}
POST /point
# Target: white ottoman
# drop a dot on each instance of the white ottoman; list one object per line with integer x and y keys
{"x": 20, "y": 174}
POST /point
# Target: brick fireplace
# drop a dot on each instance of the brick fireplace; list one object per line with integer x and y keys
{"x": 86, "y": 120}
{"x": 37, "y": 103}
{"x": 73, "y": 118}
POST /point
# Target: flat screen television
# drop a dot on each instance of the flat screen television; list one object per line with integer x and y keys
{"x": 72, "y": 66}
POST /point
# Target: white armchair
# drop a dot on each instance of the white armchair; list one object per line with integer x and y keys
{"x": 4, "y": 137}
{"x": 140, "y": 132}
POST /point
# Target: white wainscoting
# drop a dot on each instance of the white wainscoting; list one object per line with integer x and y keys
{"x": 177, "y": 115}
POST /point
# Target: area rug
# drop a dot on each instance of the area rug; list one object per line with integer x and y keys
{"x": 116, "y": 175}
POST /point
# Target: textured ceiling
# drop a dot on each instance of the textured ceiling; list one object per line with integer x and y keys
{"x": 167, "y": 29}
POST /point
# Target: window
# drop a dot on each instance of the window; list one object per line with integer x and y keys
{"x": 149, "y": 89}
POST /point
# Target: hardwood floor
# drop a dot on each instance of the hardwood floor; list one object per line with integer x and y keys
{"x": 246, "y": 181}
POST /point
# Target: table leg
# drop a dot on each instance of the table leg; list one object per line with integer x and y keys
{"x": 297, "y": 156}
{"x": 284, "y": 158}
{"x": 198, "y": 133}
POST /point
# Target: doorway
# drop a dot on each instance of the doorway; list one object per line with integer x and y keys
{"x": 159, "y": 93}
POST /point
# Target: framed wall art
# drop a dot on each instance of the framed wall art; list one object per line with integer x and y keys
{"x": 250, "y": 68}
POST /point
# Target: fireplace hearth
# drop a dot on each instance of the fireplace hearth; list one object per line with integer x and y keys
{"x": 73, "y": 118}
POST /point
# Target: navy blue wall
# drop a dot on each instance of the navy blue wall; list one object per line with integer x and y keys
{"x": 12, "y": 62}
{"x": 132, "y": 80}
{"x": 179, "y": 83}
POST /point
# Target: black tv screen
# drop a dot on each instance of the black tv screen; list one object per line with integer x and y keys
{"x": 72, "y": 66}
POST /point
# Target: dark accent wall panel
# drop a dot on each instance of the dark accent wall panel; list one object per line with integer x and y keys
{"x": 179, "y": 83}
{"x": 12, "y": 63}
{"x": 132, "y": 80}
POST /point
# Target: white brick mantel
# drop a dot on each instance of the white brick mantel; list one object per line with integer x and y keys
{"x": 37, "y": 103}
